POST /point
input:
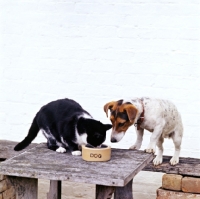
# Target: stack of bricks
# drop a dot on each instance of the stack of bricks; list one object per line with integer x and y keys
{"x": 6, "y": 190}
{"x": 179, "y": 187}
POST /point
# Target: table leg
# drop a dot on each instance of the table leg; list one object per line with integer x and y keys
{"x": 104, "y": 192}
{"x": 124, "y": 192}
{"x": 26, "y": 188}
{"x": 54, "y": 190}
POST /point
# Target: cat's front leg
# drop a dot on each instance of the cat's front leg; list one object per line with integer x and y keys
{"x": 52, "y": 145}
{"x": 74, "y": 148}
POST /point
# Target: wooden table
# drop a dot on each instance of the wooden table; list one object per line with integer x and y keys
{"x": 114, "y": 176}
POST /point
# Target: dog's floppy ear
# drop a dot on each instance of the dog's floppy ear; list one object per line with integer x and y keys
{"x": 107, "y": 106}
{"x": 131, "y": 112}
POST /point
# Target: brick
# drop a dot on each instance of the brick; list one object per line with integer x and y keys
{"x": 172, "y": 182}
{"x": 191, "y": 185}
{"x": 168, "y": 194}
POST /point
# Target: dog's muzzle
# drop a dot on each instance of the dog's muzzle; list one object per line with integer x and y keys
{"x": 116, "y": 137}
{"x": 113, "y": 140}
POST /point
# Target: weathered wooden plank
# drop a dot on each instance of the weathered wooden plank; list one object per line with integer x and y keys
{"x": 54, "y": 190}
{"x": 186, "y": 166}
{"x": 124, "y": 192}
{"x": 26, "y": 188}
{"x": 104, "y": 192}
{"x": 7, "y": 149}
{"x": 40, "y": 162}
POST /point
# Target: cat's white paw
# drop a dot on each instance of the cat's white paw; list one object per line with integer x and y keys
{"x": 61, "y": 150}
{"x": 76, "y": 152}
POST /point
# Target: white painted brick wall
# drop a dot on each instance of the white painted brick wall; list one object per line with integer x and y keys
{"x": 95, "y": 51}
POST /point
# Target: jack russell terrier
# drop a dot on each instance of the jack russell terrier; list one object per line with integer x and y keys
{"x": 158, "y": 116}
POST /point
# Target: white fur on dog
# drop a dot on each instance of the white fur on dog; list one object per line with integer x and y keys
{"x": 116, "y": 135}
{"x": 162, "y": 118}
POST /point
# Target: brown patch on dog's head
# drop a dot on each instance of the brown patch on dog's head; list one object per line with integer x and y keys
{"x": 122, "y": 115}
{"x": 109, "y": 106}
{"x": 112, "y": 106}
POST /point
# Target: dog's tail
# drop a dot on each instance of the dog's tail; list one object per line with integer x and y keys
{"x": 33, "y": 131}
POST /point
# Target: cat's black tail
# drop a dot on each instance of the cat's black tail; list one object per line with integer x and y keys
{"x": 33, "y": 131}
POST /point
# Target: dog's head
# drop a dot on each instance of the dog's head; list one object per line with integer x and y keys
{"x": 122, "y": 116}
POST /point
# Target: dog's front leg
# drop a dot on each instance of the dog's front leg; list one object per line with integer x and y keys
{"x": 177, "y": 139}
{"x": 139, "y": 139}
{"x": 159, "y": 158}
{"x": 154, "y": 139}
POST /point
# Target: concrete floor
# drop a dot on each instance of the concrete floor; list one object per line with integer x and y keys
{"x": 145, "y": 185}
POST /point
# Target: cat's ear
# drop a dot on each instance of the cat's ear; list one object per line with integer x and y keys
{"x": 107, "y": 126}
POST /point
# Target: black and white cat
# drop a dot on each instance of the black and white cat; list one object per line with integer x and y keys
{"x": 65, "y": 124}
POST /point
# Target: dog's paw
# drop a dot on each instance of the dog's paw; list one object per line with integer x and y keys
{"x": 61, "y": 150}
{"x": 174, "y": 160}
{"x": 135, "y": 146}
{"x": 76, "y": 152}
{"x": 150, "y": 150}
{"x": 157, "y": 161}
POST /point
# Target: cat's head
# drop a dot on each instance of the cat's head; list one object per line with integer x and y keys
{"x": 96, "y": 132}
